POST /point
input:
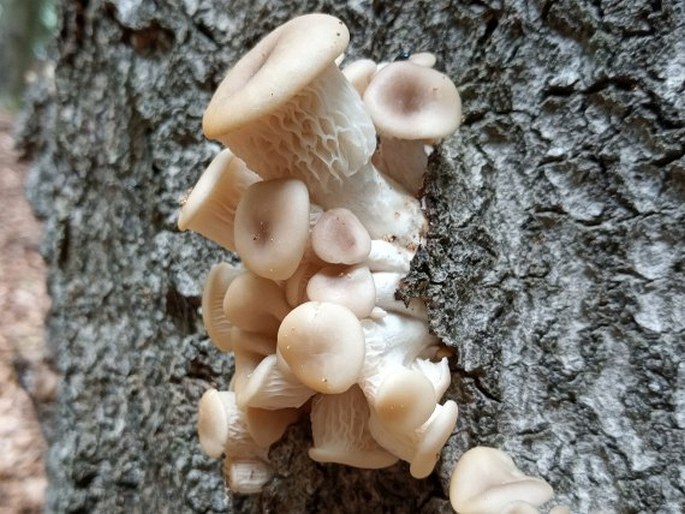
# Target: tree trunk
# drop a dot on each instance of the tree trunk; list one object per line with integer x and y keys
{"x": 554, "y": 264}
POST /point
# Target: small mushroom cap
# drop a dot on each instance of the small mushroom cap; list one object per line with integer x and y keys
{"x": 351, "y": 287}
{"x": 340, "y": 238}
{"x": 255, "y": 304}
{"x": 359, "y": 73}
{"x": 212, "y": 422}
{"x": 486, "y": 480}
{"x": 405, "y": 400}
{"x": 408, "y": 101}
{"x": 323, "y": 345}
{"x": 218, "y": 327}
{"x": 272, "y": 227}
{"x": 425, "y": 59}
{"x": 274, "y": 76}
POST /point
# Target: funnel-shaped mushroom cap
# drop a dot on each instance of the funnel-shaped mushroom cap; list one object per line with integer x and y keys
{"x": 323, "y": 345}
{"x": 281, "y": 64}
{"x": 405, "y": 400}
{"x": 210, "y": 207}
{"x": 486, "y": 480}
{"x": 272, "y": 227}
{"x": 218, "y": 327}
{"x": 408, "y": 101}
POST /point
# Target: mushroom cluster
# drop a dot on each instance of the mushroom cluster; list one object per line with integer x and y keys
{"x": 316, "y": 191}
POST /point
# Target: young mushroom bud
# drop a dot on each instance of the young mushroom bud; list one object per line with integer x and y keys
{"x": 411, "y": 105}
{"x": 210, "y": 208}
{"x": 272, "y": 227}
{"x": 323, "y": 345}
{"x": 338, "y": 237}
{"x": 486, "y": 481}
{"x": 218, "y": 327}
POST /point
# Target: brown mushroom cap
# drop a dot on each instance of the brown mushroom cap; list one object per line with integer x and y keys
{"x": 412, "y": 102}
{"x": 274, "y": 76}
{"x": 323, "y": 345}
{"x": 338, "y": 237}
{"x": 272, "y": 227}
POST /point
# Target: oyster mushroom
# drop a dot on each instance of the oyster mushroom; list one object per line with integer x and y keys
{"x": 486, "y": 481}
{"x": 218, "y": 327}
{"x": 210, "y": 208}
{"x": 411, "y": 106}
{"x": 322, "y": 344}
{"x": 287, "y": 110}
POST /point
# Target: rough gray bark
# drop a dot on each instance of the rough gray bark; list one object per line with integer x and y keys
{"x": 554, "y": 266}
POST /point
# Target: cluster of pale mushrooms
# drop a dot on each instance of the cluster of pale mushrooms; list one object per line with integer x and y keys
{"x": 317, "y": 193}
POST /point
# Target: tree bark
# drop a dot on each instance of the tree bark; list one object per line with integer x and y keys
{"x": 554, "y": 264}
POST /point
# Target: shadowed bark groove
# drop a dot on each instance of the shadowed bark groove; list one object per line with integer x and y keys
{"x": 554, "y": 265}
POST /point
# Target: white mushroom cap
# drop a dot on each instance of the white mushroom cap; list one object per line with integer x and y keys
{"x": 412, "y": 102}
{"x": 255, "y": 304}
{"x": 268, "y": 387}
{"x": 268, "y": 426}
{"x": 359, "y": 73}
{"x": 486, "y": 480}
{"x": 281, "y": 64}
{"x": 210, "y": 208}
{"x": 218, "y": 327}
{"x": 351, "y": 287}
{"x": 338, "y": 237}
{"x": 405, "y": 400}
{"x": 323, "y": 345}
{"x": 272, "y": 227}
{"x": 340, "y": 432}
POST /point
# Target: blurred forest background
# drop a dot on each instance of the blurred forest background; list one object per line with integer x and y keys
{"x": 25, "y": 30}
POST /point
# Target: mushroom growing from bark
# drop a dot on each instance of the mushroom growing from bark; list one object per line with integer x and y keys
{"x": 287, "y": 110}
{"x": 411, "y": 106}
{"x": 486, "y": 481}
